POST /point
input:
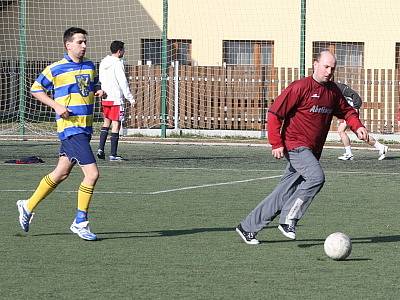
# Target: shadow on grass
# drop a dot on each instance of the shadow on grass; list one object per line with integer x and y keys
{"x": 140, "y": 234}
{"x": 391, "y": 158}
{"x": 357, "y": 240}
{"x": 345, "y": 260}
{"x": 303, "y": 243}
{"x": 43, "y": 234}
{"x": 159, "y": 233}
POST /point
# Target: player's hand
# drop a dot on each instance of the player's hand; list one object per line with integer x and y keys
{"x": 362, "y": 134}
{"x": 100, "y": 93}
{"x": 278, "y": 153}
{"x": 63, "y": 111}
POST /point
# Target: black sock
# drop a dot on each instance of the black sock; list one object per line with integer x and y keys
{"x": 103, "y": 137}
{"x": 114, "y": 143}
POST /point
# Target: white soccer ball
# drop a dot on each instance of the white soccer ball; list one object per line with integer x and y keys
{"x": 337, "y": 246}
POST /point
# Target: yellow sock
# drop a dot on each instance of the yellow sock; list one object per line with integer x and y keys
{"x": 45, "y": 187}
{"x": 85, "y": 194}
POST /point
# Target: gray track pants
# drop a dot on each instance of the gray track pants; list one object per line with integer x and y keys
{"x": 302, "y": 180}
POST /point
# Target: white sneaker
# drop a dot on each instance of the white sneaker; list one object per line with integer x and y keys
{"x": 346, "y": 156}
{"x": 25, "y": 218}
{"x": 83, "y": 231}
{"x": 382, "y": 152}
{"x": 116, "y": 158}
{"x": 100, "y": 154}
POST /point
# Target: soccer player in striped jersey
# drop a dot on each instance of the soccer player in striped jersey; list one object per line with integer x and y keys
{"x": 72, "y": 81}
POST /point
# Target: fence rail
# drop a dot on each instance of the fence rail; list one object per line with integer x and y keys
{"x": 238, "y": 97}
{"x": 213, "y": 97}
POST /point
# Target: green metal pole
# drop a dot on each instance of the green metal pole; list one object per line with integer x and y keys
{"x": 164, "y": 71}
{"x": 303, "y": 39}
{"x": 22, "y": 57}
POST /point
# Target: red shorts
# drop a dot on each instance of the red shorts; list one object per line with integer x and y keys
{"x": 113, "y": 112}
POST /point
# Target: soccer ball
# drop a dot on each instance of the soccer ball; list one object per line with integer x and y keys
{"x": 337, "y": 246}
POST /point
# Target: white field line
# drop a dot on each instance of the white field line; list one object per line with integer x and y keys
{"x": 211, "y": 185}
{"x": 257, "y": 143}
{"x": 61, "y": 191}
{"x": 163, "y": 191}
{"x": 116, "y": 166}
{"x": 205, "y": 185}
{"x": 119, "y": 167}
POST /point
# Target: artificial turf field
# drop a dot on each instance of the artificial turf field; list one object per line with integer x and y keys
{"x": 165, "y": 221}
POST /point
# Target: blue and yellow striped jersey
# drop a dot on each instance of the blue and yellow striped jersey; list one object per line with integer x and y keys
{"x": 72, "y": 85}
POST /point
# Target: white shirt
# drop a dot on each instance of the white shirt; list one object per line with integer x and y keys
{"x": 113, "y": 80}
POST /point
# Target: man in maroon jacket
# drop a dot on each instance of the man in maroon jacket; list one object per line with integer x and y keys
{"x": 298, "y": 123}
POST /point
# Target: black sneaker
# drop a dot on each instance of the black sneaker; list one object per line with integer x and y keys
{"x": 248, "y": 237}
{"x": 100, "y": 154}
{"x": 288, "y": 230}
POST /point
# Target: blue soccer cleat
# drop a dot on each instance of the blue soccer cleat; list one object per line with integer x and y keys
{"x": 83, "y": 231}
{"x": 25, "y": 218}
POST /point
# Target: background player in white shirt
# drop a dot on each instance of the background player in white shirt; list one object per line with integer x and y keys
{"x": 115, "y": 85}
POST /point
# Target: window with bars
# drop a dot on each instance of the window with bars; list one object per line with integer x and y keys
{"x": 397, "y": 56}
{"x": 177, "y": 50}
{"x": 237, "y": 52}
{"x": 348, "y": 54}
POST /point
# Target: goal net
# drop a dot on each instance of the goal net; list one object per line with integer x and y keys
{"x": 202, "y": 65}
{"x": 31, "y": 35}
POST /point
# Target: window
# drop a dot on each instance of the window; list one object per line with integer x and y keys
{"x": 248, "y": 52}
{"x": 177, "y": 50}
{"x": 397, "y": 56}
{"x": 348, "y": 54}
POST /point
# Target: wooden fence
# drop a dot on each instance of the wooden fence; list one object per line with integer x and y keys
{"x": 226, "y": 98}
{"x": 238, "y": 97}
